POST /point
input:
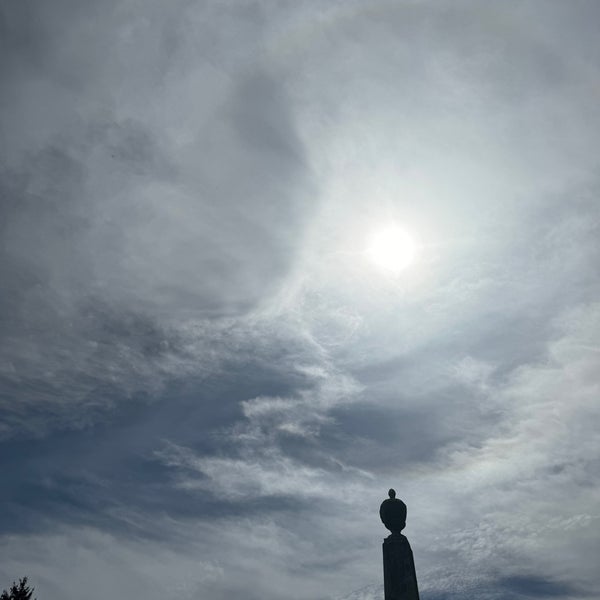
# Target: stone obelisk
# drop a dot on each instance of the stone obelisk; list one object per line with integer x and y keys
{"x": 399, "y": 576}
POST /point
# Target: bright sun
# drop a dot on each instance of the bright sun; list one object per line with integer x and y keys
{"x": 392, "y": 249}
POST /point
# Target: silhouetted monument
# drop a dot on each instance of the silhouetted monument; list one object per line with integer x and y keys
{"x": 399, "y": 576}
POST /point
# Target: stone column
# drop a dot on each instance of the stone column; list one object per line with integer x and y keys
{"x": 399, "y": 576}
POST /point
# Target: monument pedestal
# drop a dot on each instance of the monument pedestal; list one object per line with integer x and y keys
{"x": 399, "y": 576}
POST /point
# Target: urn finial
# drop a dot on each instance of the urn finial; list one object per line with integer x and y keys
{"x": 393, "y": 513}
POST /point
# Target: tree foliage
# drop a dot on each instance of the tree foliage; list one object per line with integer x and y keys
{"x": 20, "y": 591}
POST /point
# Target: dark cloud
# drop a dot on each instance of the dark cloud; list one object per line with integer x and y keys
{"x": 534, "y": 586}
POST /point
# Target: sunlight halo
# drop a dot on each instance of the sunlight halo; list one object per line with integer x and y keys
{"x": 392, "y": 249}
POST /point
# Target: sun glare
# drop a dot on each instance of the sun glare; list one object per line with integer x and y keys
{"x": 392, "y": 249}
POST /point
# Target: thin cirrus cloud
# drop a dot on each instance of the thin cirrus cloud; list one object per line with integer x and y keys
{"x": 205, "y": 386}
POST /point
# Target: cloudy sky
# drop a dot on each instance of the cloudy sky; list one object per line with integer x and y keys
{"x": 208, "y": 381}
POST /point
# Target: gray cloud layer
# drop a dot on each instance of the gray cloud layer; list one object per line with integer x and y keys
{"x": 205, "y": 387}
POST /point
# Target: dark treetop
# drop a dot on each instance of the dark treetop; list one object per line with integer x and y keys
{"x": 393, "y": 513}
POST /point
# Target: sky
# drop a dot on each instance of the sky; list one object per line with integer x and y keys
{"x": 207, "y": 385}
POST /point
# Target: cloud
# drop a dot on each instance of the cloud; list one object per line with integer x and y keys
{"x": 124, "y": 236}
{"x": 275, "y": 451}
{"x": 205, "y": 387}
{"x": 526, "y": 487}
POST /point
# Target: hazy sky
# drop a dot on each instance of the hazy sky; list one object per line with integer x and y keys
{"x": 206, "y": 385}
